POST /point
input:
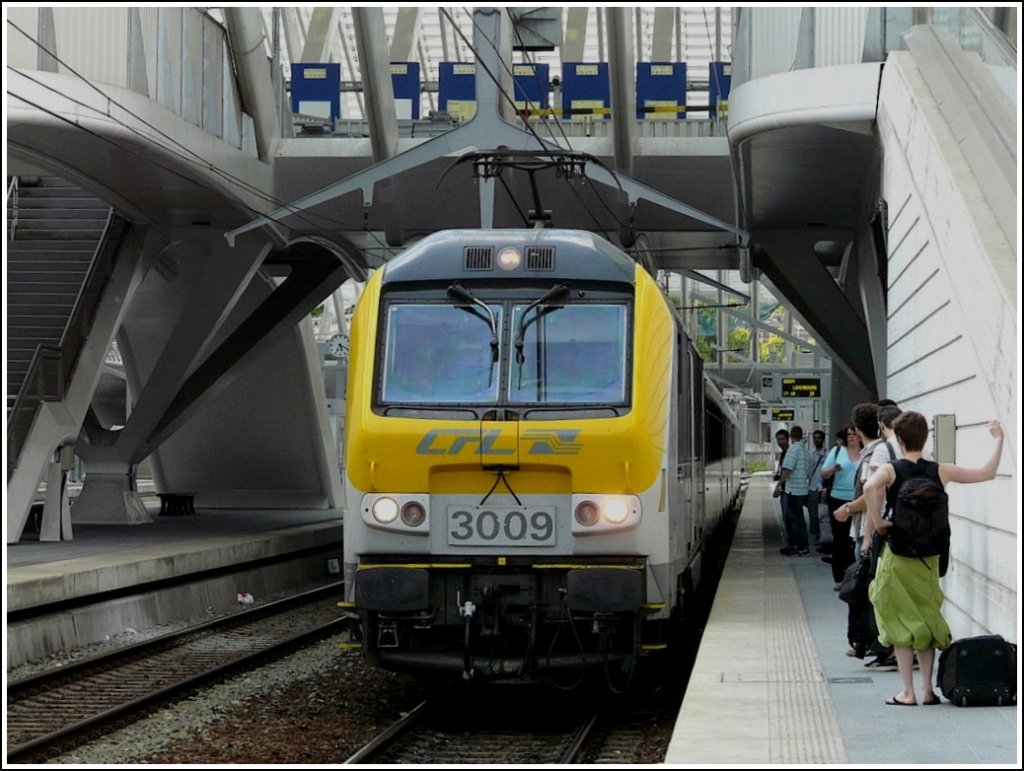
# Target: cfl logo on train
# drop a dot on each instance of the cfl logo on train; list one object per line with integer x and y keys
{"x": 454, "y": 441}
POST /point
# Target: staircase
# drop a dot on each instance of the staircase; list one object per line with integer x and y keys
{"x": 56, "y": 231}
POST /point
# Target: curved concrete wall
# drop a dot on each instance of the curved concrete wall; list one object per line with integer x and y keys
{"x": 953, "y": 336}
{"x": 262, "y": 441}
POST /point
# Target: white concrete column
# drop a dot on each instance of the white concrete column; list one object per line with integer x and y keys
{"x": 109, "y": 497}
{"x": 56, "y": 523}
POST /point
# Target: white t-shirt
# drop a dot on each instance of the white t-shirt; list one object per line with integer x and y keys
{"x": 871, "y": 460}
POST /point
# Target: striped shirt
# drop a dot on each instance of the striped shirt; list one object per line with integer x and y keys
{"x": 797, "y": 460}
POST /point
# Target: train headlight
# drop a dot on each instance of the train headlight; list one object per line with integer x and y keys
{"x": 587, "y": 513}
{"x": 399, "y": 513}
{"x": 384, "y": 510}
{"x": 509, "y": 258}
{"x": 413, "y": 513}
{"x": 599, "y": 514}
{"x": 615, "y": 510}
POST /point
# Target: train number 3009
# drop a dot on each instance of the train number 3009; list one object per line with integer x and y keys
{"x": 501, "y": 527}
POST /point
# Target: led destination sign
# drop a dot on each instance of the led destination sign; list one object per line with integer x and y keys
{"x": 809, "y": 387}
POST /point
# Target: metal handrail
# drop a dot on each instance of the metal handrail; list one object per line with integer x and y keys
{"x": 51, "y": 366}
{"x": 12, "y": 207}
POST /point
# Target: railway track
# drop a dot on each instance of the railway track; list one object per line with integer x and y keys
{"x": 425, "y": 735}
{"x": 505, "y": 724}
{"x": 530, "y": 726}
{"x": 51, "y": 713}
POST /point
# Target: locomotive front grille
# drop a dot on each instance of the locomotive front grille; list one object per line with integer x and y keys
{"x": 540, "y": 258}
{"x": 479, "y": 258}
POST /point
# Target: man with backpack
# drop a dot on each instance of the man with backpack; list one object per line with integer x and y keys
{"x": 905, "y": 591}
{"x": 861, "y": 631}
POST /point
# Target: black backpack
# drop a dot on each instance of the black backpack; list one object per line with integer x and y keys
{"x": 920, "y": 512}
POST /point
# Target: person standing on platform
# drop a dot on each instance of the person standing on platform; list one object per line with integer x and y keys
{"x": 779, "y": 491}
{"x": 905, "y": 591}
{"x": 887, "y": 451}
{"x": 860, "y": 618}
{"x": 793, "y": 480}
{"x": 865, "y": 420}
{"x": 841, "y": 467}
{"x": 821, "y": 528}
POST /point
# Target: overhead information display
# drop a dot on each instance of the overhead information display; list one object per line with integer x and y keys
{"x": 809, "y": 387}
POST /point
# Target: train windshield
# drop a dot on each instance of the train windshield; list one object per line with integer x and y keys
{"x": 439, "y": 354}
{"x": 571, "y": 354}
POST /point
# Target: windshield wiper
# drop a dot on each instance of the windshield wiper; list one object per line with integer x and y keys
{"x": 462, "y": 293}
{"x": 558, "y": 290}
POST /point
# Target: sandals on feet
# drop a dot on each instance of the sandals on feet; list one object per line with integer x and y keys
{"x": 894, "y": 702}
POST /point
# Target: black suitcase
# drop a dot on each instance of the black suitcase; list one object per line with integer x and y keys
{"x": 979, "y": 671}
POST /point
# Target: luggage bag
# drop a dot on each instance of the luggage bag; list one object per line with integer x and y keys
{"x": 979, "y": 671}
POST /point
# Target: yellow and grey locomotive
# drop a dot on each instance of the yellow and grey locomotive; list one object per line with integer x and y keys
{"x": 533, "y": 457}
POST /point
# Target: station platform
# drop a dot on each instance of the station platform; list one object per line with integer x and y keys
{"x": 109, "y": 578}
{"x": 772, "y": 684}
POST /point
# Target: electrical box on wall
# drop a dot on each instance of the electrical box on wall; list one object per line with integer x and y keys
{"x": 944, "y": 439}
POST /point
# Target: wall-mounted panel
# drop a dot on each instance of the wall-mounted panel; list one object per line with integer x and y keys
{"x": 660, "y": 90}
{"x": 532, "y": 82}
{"x": 405, "y": 84}
{"x": 456, "y": 92}
{"x": 586, "y": 90}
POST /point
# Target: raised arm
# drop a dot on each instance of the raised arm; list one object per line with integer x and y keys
{"x": 950, "y": 472}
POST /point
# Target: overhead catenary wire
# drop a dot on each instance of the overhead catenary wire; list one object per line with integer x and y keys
{"x": 178, "y": 149}
{"x": 598, "y": 226}
{"x": 185, "y": 153}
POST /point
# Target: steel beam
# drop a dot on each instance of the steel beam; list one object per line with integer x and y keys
{"x": 622, "y": 65}
{"x": 486, "y": 130}
{"x": 575, "y": 39}
{"x": 320, "y": 35}
{"x": 378, "y": 93}
{"x": 664, "y": 29}
{"x": 248, "y": 53}
{"x": 405, "y": 35}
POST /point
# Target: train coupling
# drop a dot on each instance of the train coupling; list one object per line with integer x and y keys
{"x": 387, "y": 634}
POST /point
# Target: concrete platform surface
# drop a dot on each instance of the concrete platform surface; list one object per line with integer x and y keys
{"x": 113, "y": 557}
{"x": 772, "y": 684}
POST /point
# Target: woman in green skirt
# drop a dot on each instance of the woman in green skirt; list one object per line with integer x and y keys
{"x": 905, "y": 591}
